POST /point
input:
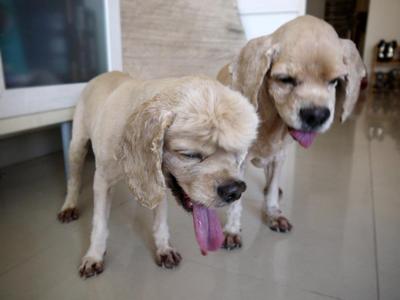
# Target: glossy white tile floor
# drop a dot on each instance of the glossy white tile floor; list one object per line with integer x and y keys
{"x": 342, "y": 196}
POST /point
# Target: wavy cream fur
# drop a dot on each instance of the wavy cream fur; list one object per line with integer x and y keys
{"x": 139, "y": 131}
{"x": 310, "y": 50}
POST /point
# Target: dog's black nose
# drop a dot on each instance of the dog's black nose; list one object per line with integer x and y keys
{"x": 231, "y": 191}
{"x": 314, "y": 116}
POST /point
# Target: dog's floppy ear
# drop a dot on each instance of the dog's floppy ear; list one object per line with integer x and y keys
{"x": 249, "y": 68}
{"x": 349, "y": 87}
{"x": 141, "y": 151}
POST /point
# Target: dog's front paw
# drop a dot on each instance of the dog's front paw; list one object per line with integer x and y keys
{"x": 279, "y": 224}
{"x": 90, "y": 267}
{"x": 168, "y": 258}
{"x": 67, "y": 215}
{"x": 232, "y": 241}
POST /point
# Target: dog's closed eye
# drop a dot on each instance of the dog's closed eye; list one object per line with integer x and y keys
{"x": 192, "y": 155}
{"x": 286, "y": 79}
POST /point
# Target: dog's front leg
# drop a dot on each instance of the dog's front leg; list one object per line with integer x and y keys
{"x": 166, "y": 256}
{"x": 276, "y": 221}
{"x": 233, "y": 226}
{"x": 92, "y": 262}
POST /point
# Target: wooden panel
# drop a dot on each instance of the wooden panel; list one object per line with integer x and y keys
{"x": 179, "y": 37}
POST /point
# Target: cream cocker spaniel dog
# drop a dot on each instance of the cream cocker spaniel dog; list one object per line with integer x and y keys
{"x": 190, "y": 134}
{"x": 297, "y": 78}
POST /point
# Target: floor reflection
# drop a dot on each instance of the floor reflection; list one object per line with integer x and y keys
{"x": 383, "y": 117}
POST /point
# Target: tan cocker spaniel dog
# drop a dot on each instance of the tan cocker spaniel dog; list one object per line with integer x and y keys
{"x": 297, "y": 78}
{"x": 190, "y": 134}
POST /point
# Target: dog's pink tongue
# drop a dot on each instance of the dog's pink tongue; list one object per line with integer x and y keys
{"x": 303, "y": 137}
{"x": 207, "y": 228}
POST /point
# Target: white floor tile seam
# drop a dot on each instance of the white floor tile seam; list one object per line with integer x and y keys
{"x": 21, "y": 262}
{"x": 277, "y": 282}
{"x": 262, "y": 279}
{"x": 322, "y": 294}
{"x": 27, "y": 259}
{"x": 378, "y": 293}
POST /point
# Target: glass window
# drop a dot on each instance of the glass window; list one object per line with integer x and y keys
{"x": 47, "y": 42}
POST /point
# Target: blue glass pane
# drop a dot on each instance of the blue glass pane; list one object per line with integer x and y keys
{"x": 46, "y": 42}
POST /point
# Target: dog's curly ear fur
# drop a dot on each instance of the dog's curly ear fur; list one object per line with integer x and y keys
{"x": 349, "y": 87}
{"x": 249, "y": 68}
{"x": 141, "y": 151}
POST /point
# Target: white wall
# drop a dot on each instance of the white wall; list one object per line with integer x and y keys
{"x": 264, "y": 17}
{"x": 383, "y": 23}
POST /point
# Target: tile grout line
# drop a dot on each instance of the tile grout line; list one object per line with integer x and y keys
{"x": 262, "y": 280}
{"x": 374, "y": 220}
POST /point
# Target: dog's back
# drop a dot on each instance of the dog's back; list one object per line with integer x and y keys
{"x": 94, "y": 96}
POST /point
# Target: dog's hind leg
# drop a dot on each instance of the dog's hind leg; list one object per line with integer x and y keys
{"x": 77, "y": 153}
{"x": 275, "y": 220}
{"x": 166, "y": 256}
{"x": 92, "y": 262}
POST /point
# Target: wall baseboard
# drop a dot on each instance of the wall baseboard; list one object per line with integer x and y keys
{"x": 29, "y": 145}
